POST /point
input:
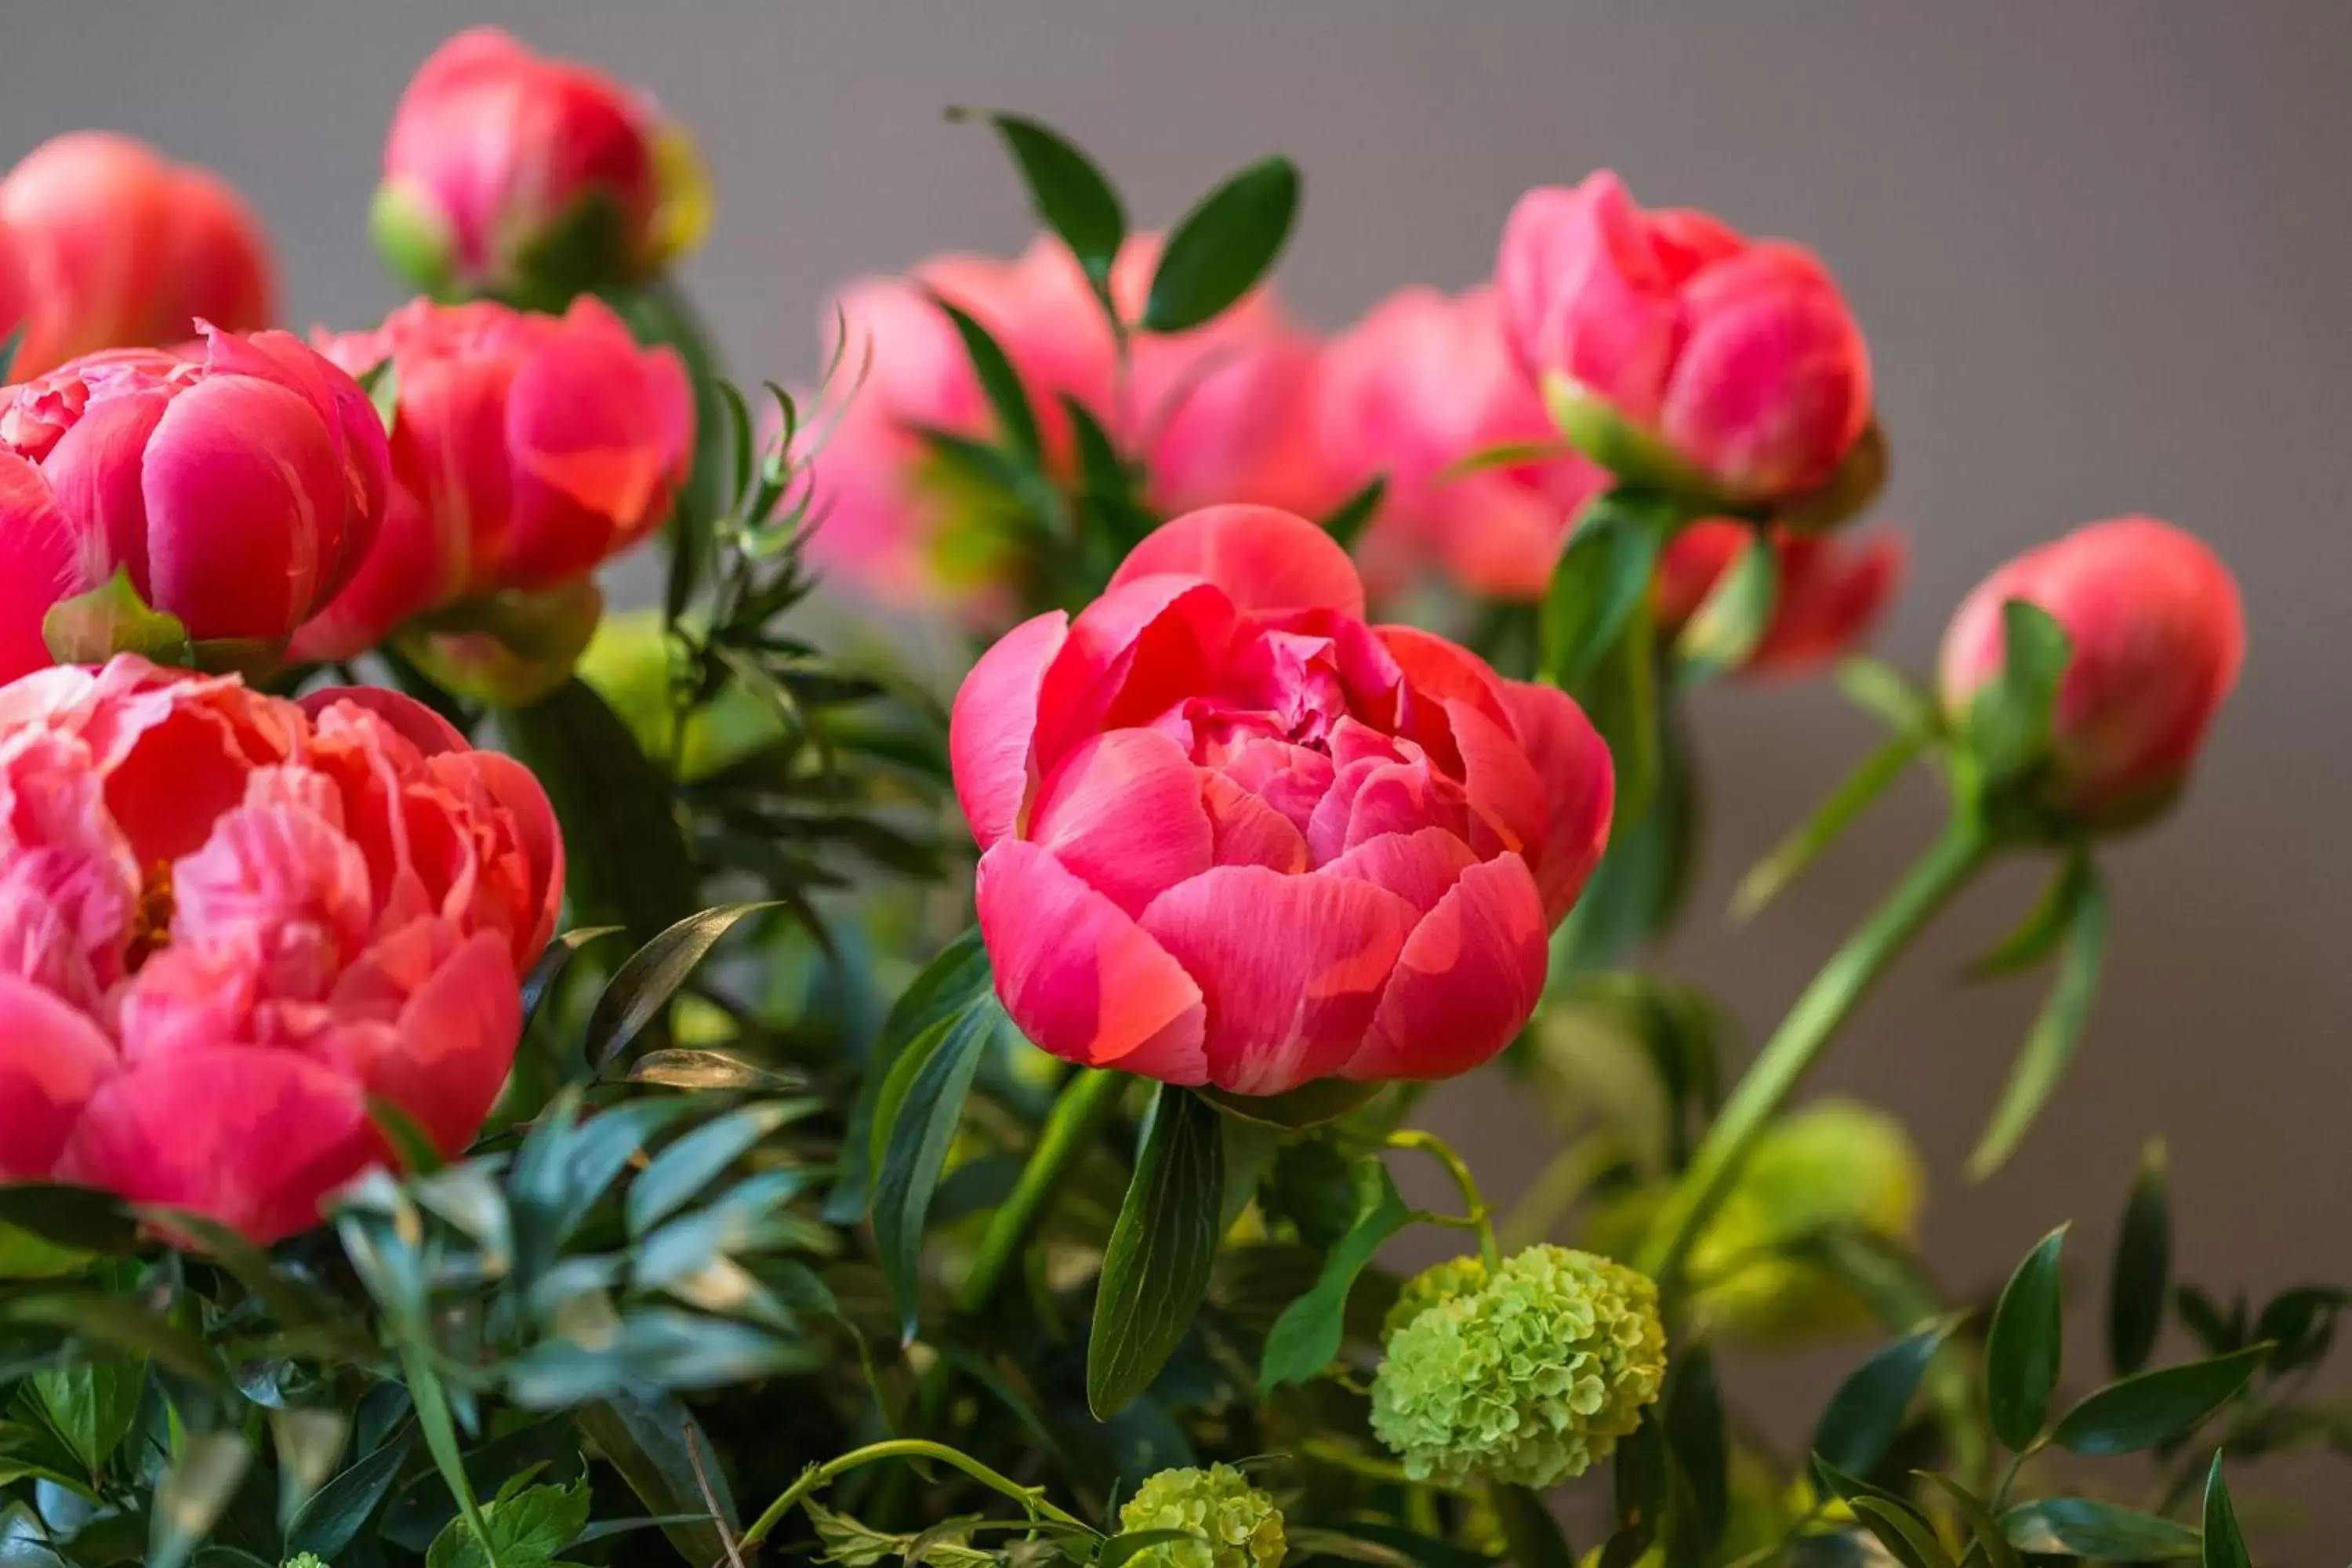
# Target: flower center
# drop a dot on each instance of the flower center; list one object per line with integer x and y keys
{"x": 151, "y": 921}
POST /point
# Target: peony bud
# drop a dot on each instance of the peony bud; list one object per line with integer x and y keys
{"x": 237, "y": 483}
{"x": 1232, "y": 834}
{"x": 1679, "y": 353}
{"x": 1242, "y": 1526}
{"x": 1528, "y": 1380}
{"x": 526, "y": 451}
{"x": 2157, "y": 634}
{"x": 510, "y": 174}
{"x": 120, "y": 248}
{"x": 1829, "y": 596}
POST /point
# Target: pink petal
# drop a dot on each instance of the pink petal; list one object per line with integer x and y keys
{"x": 1133, "y": 654}
{"x": 97, "y": 470}
{"x": 516, "y": 789}
{"x": 404, "y": 716}
{"x": 39, "y": 564}
{"x": 1081, "y": 979}
{"x": 447, "y": 1056}
{"x": 994, "y": 718}
{"x": 1437, "y": 670}
{"x": 1467, "y": 981}
{"x": 1420, "y": 867}
{"x": 1269, "y": 561}
{"x": 1508, "y": 805}
{"x": 1580, "y": 786}
{"x": 1246, "y": 830}
{"x": 247, "y": 1135}
{"x": 1123, "y": 813}
{"x": 1290, "y": 968}
{"x": 52, "y": 1059}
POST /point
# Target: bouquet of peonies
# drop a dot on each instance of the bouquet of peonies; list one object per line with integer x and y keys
{"x": 484, "y": 1080}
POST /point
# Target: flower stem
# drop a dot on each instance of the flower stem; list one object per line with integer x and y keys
{"x": 1086, "y": 1102}
{"x": 819, "y": 1476}
{"x": 1479, "y": 1218}
{"x": 1803, "y": 1036}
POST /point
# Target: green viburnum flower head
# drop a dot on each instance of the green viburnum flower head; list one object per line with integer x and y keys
{"x": 1243, "y": 1526}
{"x": 306, "y": 1560}
{"x": 1454, "y": 1277}
{"x": 1529, "y": 1379}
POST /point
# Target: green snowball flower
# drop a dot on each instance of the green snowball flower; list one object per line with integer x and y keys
{"x": 1529, "y": 1379}
{"x": 1454, "y": 1277}
{"x": 1243, "y": 1526}
{"x": 305, "y": 1560}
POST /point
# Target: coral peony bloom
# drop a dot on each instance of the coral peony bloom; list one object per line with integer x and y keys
{"x": 120, "y": 248}
{"x": 2157, "y": 634}
{"x": 508, "y": 171}
{"x": 1423, "y": 381}
{"x": 237, "y": 482}
{"x": 228, "y": 922}
{"x": 1831, "y": 596}
{"x": 1221, "y": 413}
{"x": 1232, "y": 834}
{"x": 1738, "y": 357}
{"x": 526, "y": 450}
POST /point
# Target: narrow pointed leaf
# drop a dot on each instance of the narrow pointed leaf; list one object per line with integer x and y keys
{"x": 1856, "y": 795}
{"x": 1901, "y": 1532}
{"x": 2108, "y": 1532}
{"x": 650, "y": 976}
{"x": 916, "y": 1122}
{"x": 1886, "y": 693}
{"x": 951, "y": 981}
{"x": 1306, "y": 1338}
{"x": 2152, "y": 1407}
{"x": 2224, "y": 1546}
{"x": 1602, "y": 577}
{"x": 2010, "y": 719}
{"x": 334, "y": 1515}
{"x": 2142, "y": 1276}
{"x": 1016, "y": 421}
{"x": 2042, "y": 1062}
{"x": 1223, "y": 247}
{"x": 1156, "y": 1269}
{"x": 1866, "y": 1412}
{"x": 1071, "y": 196}
{"x": 1347, "y": 521}
{"x": 1735, "y": 616}
{"x": 2044, "y": 926}
{"x": 1982, "y": 1525}
{"x": 2022, "y": 1349}
{"x": 553, "y": 962}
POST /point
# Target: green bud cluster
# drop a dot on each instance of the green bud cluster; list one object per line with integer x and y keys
{"x": 1242, "y": 1526}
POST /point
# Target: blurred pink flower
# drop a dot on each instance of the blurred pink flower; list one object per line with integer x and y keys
{"x": 1831, "y": 596}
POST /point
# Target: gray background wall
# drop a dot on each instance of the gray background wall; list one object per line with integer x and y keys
{"x": 2101, "y": 250}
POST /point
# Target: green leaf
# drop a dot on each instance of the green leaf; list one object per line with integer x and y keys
{"x": 553, "y": 962}
{"x": 951, "y": 981}
{"x": 1016, "y": 421}
{"x": 1697, "y": 1441}
{"x": 2300, "y": 1323}
{"x": 1643, "y": 881}
{"x": 695, "y": 1160}
{"x": 2224, "y": 1546}
{"x": 650, "y": 976}
{"x": 192, "y": 1494}
{"x": 915, "y": 1123}
{"x": 1306, "y": 1338}
{"x": 526, "y": 1530}
{"x": 2142, "y": 1276}
{"x": 2084, "y": 1527}
{"x": 336, "y": 1513}
{"x": 2041, "y": 1061}
{"x": 1534, "y": 1536}
{"x": 1315, "y": 1105}
{"x": 1602, "y": 578}
{"x": 1901, "y": 1532}
{"x": 111, "y": 618}
{"x": 1156, "y": 1268}
{"x": 91, "y": 1405}
{"x": 2010, "y": 719}
{"x": 2152, "y": 1407}
{"x": 1982, "y": 1525}
{"x": 1127, "y": 1545}
{"x": 1220, "y": 251}
{"x": 1886, "y": 694}
{"x": 2022, "y": 1349}
{"x": 627, "y": 862}
{"x": 381, "y": 382}
{"x": 677, "y": 1068}
{"x": 123, "y": 1323}
{"x": 1737, "y": 611}
{"x": 1071, "y": 196}
{"x": 8, "y": 347}
{"x": 647, "y": 1440}
{"x": 2045, "y": 925}
{"x": 1790, "y": 859}
{"x": 1107, "y": 485}
{"x": 1347, "y": 521}
{"x": 1860, "y": 1424}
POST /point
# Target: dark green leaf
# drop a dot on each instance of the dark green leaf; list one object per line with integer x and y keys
{"x": 650, "y": 976}
{"x": 2151, "y": 1407}
{"x": 948, "y": 985}
{"x": 2010, "y": 718}
{"x": 2045, "y": 925}
{"x": 648, "y": 1441}
{"x": 193, "y": 1493}
{"x": 1016, "y": 421}
{"x": 691, "y": 1164}
{"x": 123, "y": 1323}
{"x": 335, "y": 1514}
{"x": 91, "y": 1405}
{"x": 1863, "y": 1415}
{"x": 2084, "y": 1527}
{"x": 1346, "y": 523}
{"x": 1790, "y": 859}
{"x": 526, "y": 1530}
{"x": 2300, "y": 1323}
{"x": 1156, "y": 1268}
{"x": 1604, "y": 576}
{"x": 2202, "y": 1316}
{"x": 1071, "y": 196}
{"x": 627, "y": 863}
{"x": 2142, "y": 1276}
{"x": 1534, "y": 1536}
{"x": 2022, "y": 1349}
{"x": 916, "y": 1122}
{"x": 2224, "y": 1546}
{"x": 1641, "y": 883}
{"x": 1831, "y": 1481}
{"x": 1641, "y": 1480}
{"x": 2057, "y": 1029}
{"x": 1735, "y": 614}
{"x": 1322, "y": 1102}
{"x": 553, "y": 962}
{"x": 1981, "y": 1524}
{"x": 1901, "y": 1532}
{"x": 1695, "y": 1437}
{"x": 1223, "y": 247}
{"x": 1306, "y": 1338}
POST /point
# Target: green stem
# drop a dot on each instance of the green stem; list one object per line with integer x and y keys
{"x": 1087, "y": 1102}
{"x": 819, "y": 1476}
{"x": 1803, "y": 1036}
{"x": 1479, "y": 1218}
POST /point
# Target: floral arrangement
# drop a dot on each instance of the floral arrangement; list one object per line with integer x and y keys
{"x": 487, "y": 1080}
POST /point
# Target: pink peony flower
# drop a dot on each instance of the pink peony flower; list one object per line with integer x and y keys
{"x": 228, "y": 922}
{"x": 1832, "y": 593}
{"x": 119, "y": 248}
{"x": 2158, "y": 634}
{"x": 527, "y": 450}
{"x": 505, "y": 167}
{"x": 1232, "y": 834}
{"x": 1423, "y": 381}
{"x": 238, "y": 481}
{"x": 1738, "y": 358}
